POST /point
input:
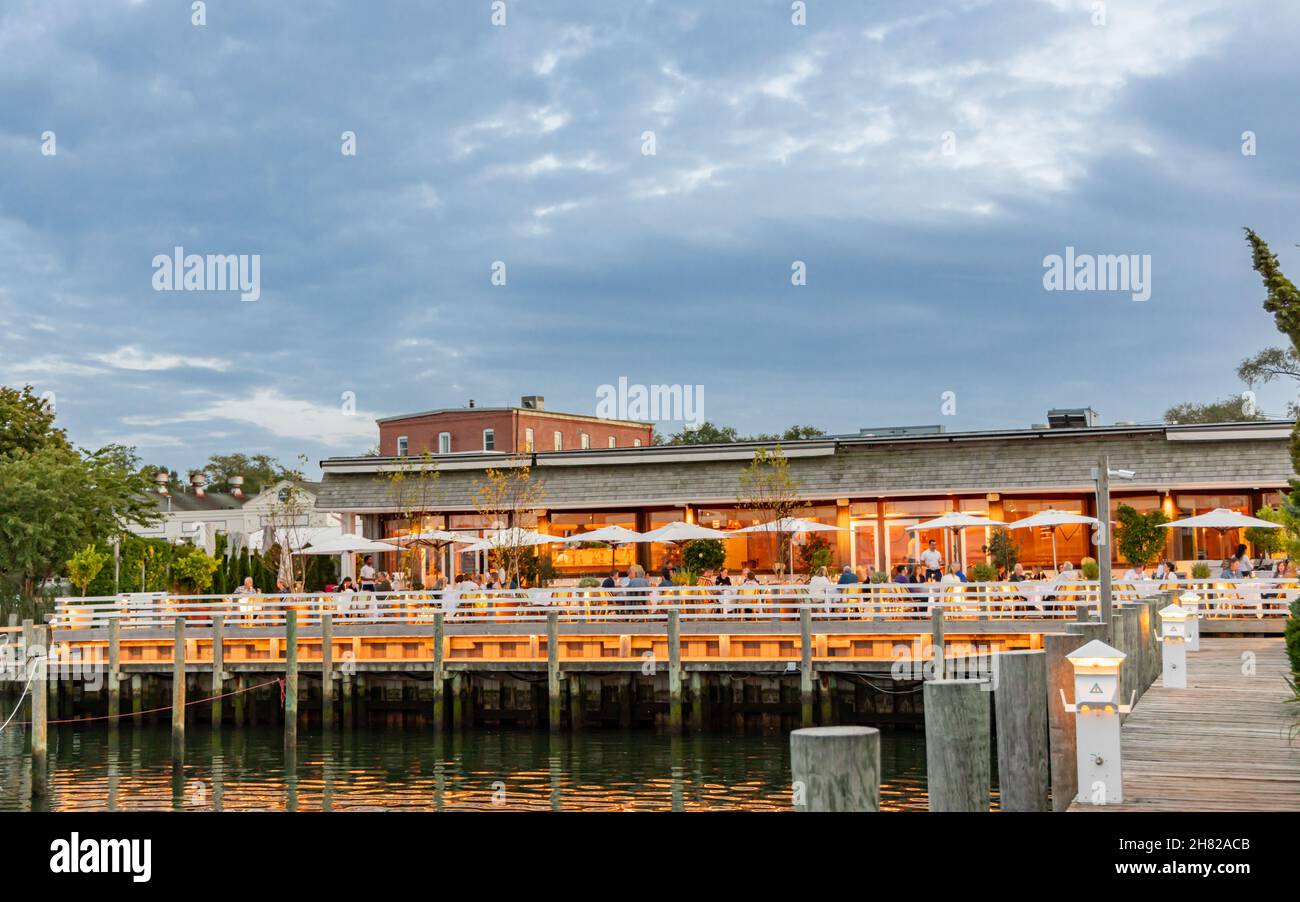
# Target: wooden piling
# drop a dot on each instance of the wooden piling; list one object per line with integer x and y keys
{"x": 1020, "y": 704}
{"x": 290, "y": 679}
{"x": 1062, "y": 743}
{"x": 936, "y": 640}
{"x": 554, "y": 698}
{"x": 957, "y": 745}
{"x": 178, "y": 690}
{"x": 576, "y": 703}
{"x": 137, "y": 694}
{"x": 327, "y": 671}
{"x": 239, "y": 702}
{"x": 697, "y": 701}
{"x": 457, "y": 700}
{"x": 674, "y": 672}
{"x": 805, "y": 668}
{"x": 218, "y": 669}
{"x": 836, "y": 768}
{"x": 39, "y": 663}
{"x": 626, "y": 696}
{"x": 348, "y": 701}
{"x": 826, "y": 690}
{"x": 114, "y": 662}
{"x": 30, "y": 639}
{"x": 439, "y": 678}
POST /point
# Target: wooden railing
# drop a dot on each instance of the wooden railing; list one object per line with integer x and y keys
{"x": 1009, "y": 601}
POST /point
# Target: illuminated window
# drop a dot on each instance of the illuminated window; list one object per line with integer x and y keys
{"x": 636, "y": 443}
{"x": 559, "y": 440}
{"x": 613, "y": 442}
{"x": 528, "y": 439}
{"x": 489, "y": 440}
{"x": 401, "y": 446}
{"x": 444, "y": 442}
{"x": 584, "y": 440}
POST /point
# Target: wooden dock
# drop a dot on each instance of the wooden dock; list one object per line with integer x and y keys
{"x": 1221, "y": 744}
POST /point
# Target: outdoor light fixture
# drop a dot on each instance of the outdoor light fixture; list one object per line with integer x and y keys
{"x": 1096, "y": 708}
{"x": 1173, "y": 633}
{"x": 1190, "y": 602}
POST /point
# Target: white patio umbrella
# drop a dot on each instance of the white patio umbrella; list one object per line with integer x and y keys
{"x": 1222, "y": 519}
{"x": 1053, "y": 518}
{"x": 792, "y": 525}
{"x": 434, "y": 537}
{"x": 345, "y": 546}
{"x": 612, "y": 535}
{"x": 679, "y": 531}
{"x": 956, "y": 522}
{"x": 514, "y": 537}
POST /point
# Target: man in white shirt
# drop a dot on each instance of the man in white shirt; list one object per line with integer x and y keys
{"x": 1137, "y": 571}
{"x": 368, "y": 575}
{"x": 933, "y": 560}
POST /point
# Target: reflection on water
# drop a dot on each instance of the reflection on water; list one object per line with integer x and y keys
{"x": 419, "y": 770}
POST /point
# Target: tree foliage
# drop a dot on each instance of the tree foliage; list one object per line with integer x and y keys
{"x": 1232, "y": 409}
{"x": 1141, "y": 538}
{"x": 708, "y": 433}
{"x": 768, "y": 488}
{"x": 704, "y": 554}
{"x": 84, "y": 566}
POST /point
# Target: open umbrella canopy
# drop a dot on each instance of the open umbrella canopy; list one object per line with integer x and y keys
{"x": 514, "y": 537}
{"x": 792, "y": 524}
{"x": 1052, "y": 518}
{"x": 347, "y": 543}
{"x": 609, "y": 535}
{"x": 1222, "y": 518}
{"x": 956, "y": 521}
{"x": 679, "y": 531}
{"x": 434, "y": 537}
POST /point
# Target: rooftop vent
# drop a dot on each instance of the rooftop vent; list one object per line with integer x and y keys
{"x": 1071, "y": 417}
{"x": 160, "y": 481}
{"x": 471, "y": 402}
{"x": 236, "y": 486}
{"x": 532, "y": 402}
{"x": 197, "y": 482}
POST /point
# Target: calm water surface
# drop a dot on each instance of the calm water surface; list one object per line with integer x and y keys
{"x": 417, "y": 770}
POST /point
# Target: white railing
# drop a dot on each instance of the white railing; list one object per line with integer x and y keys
{"x": 1013, "y": 601}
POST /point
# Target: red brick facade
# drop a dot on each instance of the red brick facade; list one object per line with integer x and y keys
{"x": 510, "y": 427}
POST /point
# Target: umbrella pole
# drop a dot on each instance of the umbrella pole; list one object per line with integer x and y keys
{"x": 1055, "y": 566}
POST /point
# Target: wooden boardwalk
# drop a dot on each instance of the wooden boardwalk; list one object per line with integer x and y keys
{"x": 1221, "y": 744}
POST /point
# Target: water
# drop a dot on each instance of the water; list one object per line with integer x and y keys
{"x": 244, "y": 769}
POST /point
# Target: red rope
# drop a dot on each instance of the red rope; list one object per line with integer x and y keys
{"x": 197, "y": 701}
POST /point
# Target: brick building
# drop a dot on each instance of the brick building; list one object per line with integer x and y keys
{"x": 524, "y": 429}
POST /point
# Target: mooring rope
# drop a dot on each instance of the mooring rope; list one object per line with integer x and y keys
{"x": 197, "y": 701}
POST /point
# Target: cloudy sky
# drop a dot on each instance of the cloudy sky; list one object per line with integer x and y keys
{"x": 921, "y": 160}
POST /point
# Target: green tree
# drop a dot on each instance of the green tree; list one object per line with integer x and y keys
{"x": 1229, "y": 410}
{"x": 793, "y": 434}
{"x": 1141, "y": 537}
{"x": 27, "y": 423}
{"x": 1004, "y": 551}
{"x": 194, "y": 570}
{"x": 259, "y": 471}
{"x": 704, "y": 434}
{"x": 768, "y": 487}
{"x": 1282, "y": 299}
{"x": 704, "y": 554}
{"x": 816, "y": 553}
{"x": 84, "y": 566}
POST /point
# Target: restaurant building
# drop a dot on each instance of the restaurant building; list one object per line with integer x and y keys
{"x": 871, "y": 486}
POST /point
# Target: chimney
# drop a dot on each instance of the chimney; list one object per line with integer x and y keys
{"x": 237, "y": 486}
{"x": 532, "y": 402}
{"x": 160, "y": 482}
{"x": 471, "y": 402}
{"x": 197, "y": 482}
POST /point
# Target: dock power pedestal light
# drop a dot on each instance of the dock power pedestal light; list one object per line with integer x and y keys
{"x": 1097, "y": 709}
{"x": 1174, "y": 622}
{"x": 1190, "y": 602}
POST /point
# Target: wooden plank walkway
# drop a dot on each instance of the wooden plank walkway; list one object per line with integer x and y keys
{"x": 1221, "y": 744}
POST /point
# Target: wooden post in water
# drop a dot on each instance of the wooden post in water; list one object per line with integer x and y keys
{"x": 30, "y": 638}
{"x": 697, "y": 702}
{"x": 178, "y": 689}
{"x": 835, "y": 768}
{"x": 114, "y": 662}
{"x": 957, "y": 745}
{"x": 626, "y": 696}
{"x": 457, "y": 701}
{"x": 218, "y": 669}
{"x": 826, "y": 689}
{"x": 327, "y": 671}
{"x": 576, "y": 703}
{"x": 1062, "y": 743}
{"x": 1020, "y": 703}
{"x": 806, "y": 668}
{"x": 40, "y": 709}
{"x": 239, "y": 701}
{"x": 137, "y": 694}
{"x": 290, "y": 679}
{"x": 674, "y": 672}
{"x": 439, "y": 678}
{"x": 553, "y": 695}
{"x": 936, "y": 640}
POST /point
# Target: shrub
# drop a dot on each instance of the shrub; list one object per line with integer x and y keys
{"x": 588, "y": 582}
{"x": 85, "y": 566}
{"x": 1003, "y": 550}
{"x": 1141, "y": 537}
{"x": 1200, "y": 570}
{"x": 1292, "y": 634}
{"x": 984, "y": 573}
{"x": 704, "y": 554}
{"x": 879, "y": 576}
{"x": 816, "y": 553}
{"x": 1090, "y": 568}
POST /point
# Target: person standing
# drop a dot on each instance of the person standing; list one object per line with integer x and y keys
{"x": 932, "y": 557}
{"x": 368, "y": 574}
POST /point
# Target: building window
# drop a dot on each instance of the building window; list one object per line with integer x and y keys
{"x": 613, "y": 442}
{"x": 402, "y": 446}
{"x": 528, "y": 440}
{"x": 636, "y": 443}
{"x": 489, "y": 440}
{"x": 584, "y": 440}
{"x": 444, "y": 442}
{"x": 559, "y": 440}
